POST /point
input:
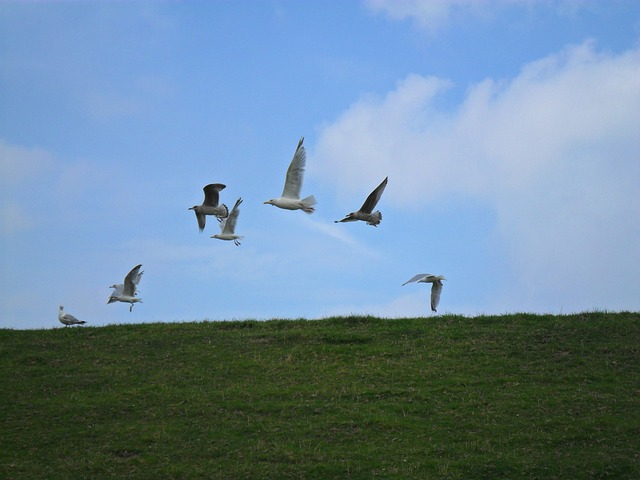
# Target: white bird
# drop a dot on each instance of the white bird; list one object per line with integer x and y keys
{"x": 210, "y": 205}
{"x": 369, "y": 204}
{"x": 228, "y": 226}
{"x": 119, "y": 288}
{"x": 290, "y": 199}
{"x": 126, "y": 292}
{"x": 68, "y": 319}
{"x": 436, "y": 286}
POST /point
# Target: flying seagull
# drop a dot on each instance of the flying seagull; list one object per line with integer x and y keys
{"x": 126, "y": 292}
{"x": 369, "y": 204}
{"x": 436, "y": 286}
{"x": 68, "y": 319}
{"x": 290, "y": 199}
{"x": 228, "y": 226}
{"x": 119, "y": 288}
{"x": 210, "y": 205}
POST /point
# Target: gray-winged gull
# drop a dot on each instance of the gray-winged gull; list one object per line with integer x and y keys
{"x": 68, "y": 319}
{"x": 210, "y": 205}
{"x": 436, "y": 286}
{"x": 228, "y": 226}
{"x": 126, "y": 292}
{"x": 290, "y": 199}
{"x": 369, "y": 204}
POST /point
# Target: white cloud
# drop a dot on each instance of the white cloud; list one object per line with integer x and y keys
{"x": 18, "y": 163}
{"x": 432, "y": 15}
{"x": 554, "y": 152}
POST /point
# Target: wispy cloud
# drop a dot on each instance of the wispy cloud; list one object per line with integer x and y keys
{"x": 432, "y": 15}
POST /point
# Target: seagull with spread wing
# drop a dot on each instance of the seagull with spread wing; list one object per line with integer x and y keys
{"x": 228, "y": 226}
{"x": 290, "y": 199}
{"x": 67, "y": 319}
{"x": 210, "y": 205}
{"x": 436, "y": 286}
{"x": 126, "y": 292}
{"x": 369, "y": 204}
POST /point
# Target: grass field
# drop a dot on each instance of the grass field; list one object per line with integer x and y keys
{"x": 514, "y": 396}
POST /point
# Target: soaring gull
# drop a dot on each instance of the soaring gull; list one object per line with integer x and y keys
{"x": 68, "y": 319}
{"x": 369, "y": 204}
{"x": 228, "y": 226}
{"x": 126, "y": 292}
{"x": 210, "y": 205}
{"x": 436, "y": 286}
{"x": 290, "y": 199}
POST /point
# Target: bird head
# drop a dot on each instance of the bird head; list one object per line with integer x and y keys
{"x": 270, "y": 202}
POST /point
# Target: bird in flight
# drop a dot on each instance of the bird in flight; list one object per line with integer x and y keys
{"x": 228, "y": 226}
{"x": 126, "y": 292}
{"x": 436, "y": 286}
{"x": 210, "y": 205}
{"x": 290, "y": 199}
{"x": 365, "y": 213}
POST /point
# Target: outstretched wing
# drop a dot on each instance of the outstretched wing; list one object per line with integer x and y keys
{"x": 202, "y": 220}
{"x": 230, "y": 222}
{"x": 417, "y": 278}
{"x": 295, "y": 172}
{"x": 373, "y": 198}
{"x": 436, "y": 288}
{"x": 211, "y": 194}
{"x": 131, "y": 281}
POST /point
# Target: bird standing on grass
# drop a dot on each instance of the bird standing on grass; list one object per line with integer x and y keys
{"x": 228, "y": 226}
{"x": 67, "y": 319}
{"x": 126, "y": 292}
{"x": 290, "y": 199}
{"x": 436, "y": 286}
{"x": 210, "y": 205}
{"x": 370, "y": 203}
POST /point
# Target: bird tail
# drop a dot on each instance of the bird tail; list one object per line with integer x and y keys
{"x": 308, "y": 203}
{"x": 82, "y": 322}
{"x": 224, "y": 214}
{"x": 376, "y": 218}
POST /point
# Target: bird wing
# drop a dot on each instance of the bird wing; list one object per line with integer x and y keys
{"x": 436, "y": 288}
{"x": 417, "y": 278}
{"x": 230, "y": 221}
{"x": 69, "y": 318}
{"x": 131, "y": 280}
{"x": 295, "y": 172}
{"x": 373, "y": 198}
{"x": 212, "y": 195}
{"x": 202, "y": 220}
{"x": 136, "y": 278}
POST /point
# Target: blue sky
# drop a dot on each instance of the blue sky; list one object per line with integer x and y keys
{"x": 508, "y": 130}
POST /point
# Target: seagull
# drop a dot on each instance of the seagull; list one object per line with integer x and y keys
{"x": 210, "y": 205}
{"x": 436, "y": 287}
{"x": 119, "y": 288}
{"x": 126, "y": 292}
{"x": 68, "y": 319}
{"x": 369, "y": 204}
{"x": 290, "y": 199}
{"x": 228, "y": 226}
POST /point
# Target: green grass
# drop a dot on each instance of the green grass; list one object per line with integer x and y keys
{"x": 514, "y": 396}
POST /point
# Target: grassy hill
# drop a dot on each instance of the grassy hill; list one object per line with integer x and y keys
{"x": 514, "y": 396}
